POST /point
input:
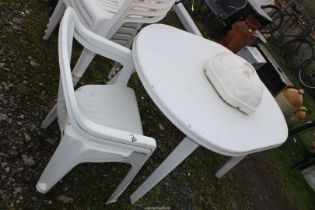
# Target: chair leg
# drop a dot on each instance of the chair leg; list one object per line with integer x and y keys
{"x": 66, "y": 156}
{"x": 116, "y": 67}
{"x": 52, "y": 115}
{"x": 122, "y": 77}
{"x": 137, "y": 160}
{"x": 82, "y": 64}
{"x": 55, "y": 19}
{"x": 113, "y": 79}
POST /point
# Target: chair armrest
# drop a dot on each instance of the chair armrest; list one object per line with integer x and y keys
{"x": 107, "y": 49}
{"x": 140, "y": 143}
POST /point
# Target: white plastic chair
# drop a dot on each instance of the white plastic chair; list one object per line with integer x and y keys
{"x": 116, "y": 19}
{"x": 98, "y": 123}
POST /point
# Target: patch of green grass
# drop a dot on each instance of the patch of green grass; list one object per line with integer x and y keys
{"x": 22, "y": 89}
{"x": 308, "y": 99}
{"x": 294, "y": 185}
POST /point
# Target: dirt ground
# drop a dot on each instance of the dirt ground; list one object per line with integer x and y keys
{"x": 28, "y": 86}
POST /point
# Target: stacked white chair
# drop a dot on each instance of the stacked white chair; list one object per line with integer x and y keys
{"x": 116, "y": 19}
{"x": 95, "y": 123}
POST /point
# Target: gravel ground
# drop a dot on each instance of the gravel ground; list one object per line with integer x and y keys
{"x": 28, "y": 86}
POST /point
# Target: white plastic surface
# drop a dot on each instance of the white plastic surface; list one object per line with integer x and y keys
{"x": 100, "y": 104}
{"x": 170, "y": 64}
{"x": 236, "y": 81}
{"x": 106, "y": 17}
{"x": 309, "y": 175}
{"x": 252, "y": 56}
{"x": 99, "y": 123}
{"x": 256, "y": 4}
{"x": 264, "y": 2}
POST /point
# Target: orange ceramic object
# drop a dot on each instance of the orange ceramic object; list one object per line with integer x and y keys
{"x": 238, "y": 37}
{"x": 300, "y": 113}
{"x": 253, "y": 23}
{"x": 290, "y": 101}
{"x": 294, "y": 96}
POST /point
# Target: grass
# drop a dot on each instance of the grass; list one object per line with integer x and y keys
{"x": 293, "y": 184}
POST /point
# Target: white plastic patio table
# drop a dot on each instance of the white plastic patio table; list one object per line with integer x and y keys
{"x": 170, "y": 64}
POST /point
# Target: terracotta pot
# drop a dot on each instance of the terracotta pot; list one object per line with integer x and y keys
{"x": 294, "y": 96}
{"x": 300, "y": 113}
{"x": 252, "y": 23}
{"x": 238, "y": 37}
{"x": 289, "y": 100}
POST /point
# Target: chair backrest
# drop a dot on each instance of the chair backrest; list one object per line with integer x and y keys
{"x": 132, "y": 11}
{"x": 71, "y": 27}
{"x": 148, "y": 11}
{"x": 143, "y": 11}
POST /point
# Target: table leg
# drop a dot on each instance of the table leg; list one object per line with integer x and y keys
{"x": 229, "y": 165}
{"x": 185, "y": 19}
{"x": 183, "y": 150}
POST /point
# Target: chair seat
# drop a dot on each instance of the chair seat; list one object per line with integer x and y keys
{"x": 110, "y": 105}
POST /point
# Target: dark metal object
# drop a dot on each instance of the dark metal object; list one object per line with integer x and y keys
{"x": 203, "y": 10}
{"x": 250, "y": 10}
{"x": 307, "y": 161}
{"x": 271, "y": 73}
{"x": 225, "y": 8}
{"x": 53, "y": 3}
{"x": 302, "y": 128}
{"x": 309, "y": 158}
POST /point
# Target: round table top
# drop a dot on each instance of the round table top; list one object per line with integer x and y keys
{"x": 170, "y": 64}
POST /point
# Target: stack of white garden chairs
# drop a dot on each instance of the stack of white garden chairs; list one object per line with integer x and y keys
{"x": 95, "y": 122}
{"x": 116, "y": 19}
